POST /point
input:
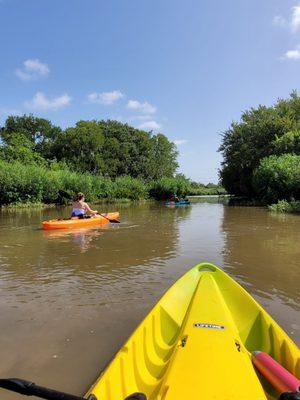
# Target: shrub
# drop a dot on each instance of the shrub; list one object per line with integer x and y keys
{"x": 31, "y": 183}
{"x": 129, "y": 188}
{"x": 284, "y": 206}
{"x": 20, "y": 183}
{"x": 164, "y": 188}
{"x": 278, "y": 178}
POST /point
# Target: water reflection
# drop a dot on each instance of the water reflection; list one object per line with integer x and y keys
{"x": 82, "y": 238}
{"x": 147, "y": 234}
{"x": 262, "y": 250}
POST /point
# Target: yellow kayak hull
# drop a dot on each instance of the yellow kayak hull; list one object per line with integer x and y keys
{"x": 196, "y": 343}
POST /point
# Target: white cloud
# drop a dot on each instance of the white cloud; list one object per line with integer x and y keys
{"x": 149, "y": 125}
{"x": 292, "y": 54}
{"x": 144, "y": 108}
{"x": 41, "y": 102}
{"x": 106, "y": 98}
{"x": 32, "y": 69}
{"x": 295, "y": 20}
{"x": 278, "y": 20}
{"x": 180, "y": 141}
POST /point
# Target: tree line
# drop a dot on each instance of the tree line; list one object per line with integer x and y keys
{"x": 42, "y": 163}
{"x": 106, "y": 148}
{"x": 261, "y": 153}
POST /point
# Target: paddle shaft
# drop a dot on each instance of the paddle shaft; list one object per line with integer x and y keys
{"x": 28, "y": 388}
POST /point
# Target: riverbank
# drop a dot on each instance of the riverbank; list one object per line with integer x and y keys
{"x": 33, "y": 185}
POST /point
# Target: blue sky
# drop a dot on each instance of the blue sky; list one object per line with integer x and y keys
{"x": 185, "y": 68}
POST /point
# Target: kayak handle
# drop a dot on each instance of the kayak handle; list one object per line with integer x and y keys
{"x": 28, "y": 388}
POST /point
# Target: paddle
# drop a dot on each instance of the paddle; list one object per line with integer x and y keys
{"x": 31, "y": 389}
{"x": 113, "y": 221}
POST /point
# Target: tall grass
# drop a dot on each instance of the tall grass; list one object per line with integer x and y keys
{"x": 35, "y": 184}
{"x": 24, "y": 184}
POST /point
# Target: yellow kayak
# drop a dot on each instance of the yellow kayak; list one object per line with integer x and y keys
{"x": 196, "y": 343}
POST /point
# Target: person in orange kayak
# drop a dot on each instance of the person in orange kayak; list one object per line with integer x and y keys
{"x": 81, "y": 208}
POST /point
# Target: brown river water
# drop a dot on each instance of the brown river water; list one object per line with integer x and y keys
{"x": 70, "y": 299}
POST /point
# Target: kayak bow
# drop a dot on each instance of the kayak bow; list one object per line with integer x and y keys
{"x": 196, "y": 343}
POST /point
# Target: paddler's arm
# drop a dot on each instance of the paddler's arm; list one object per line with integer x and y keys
{"x": 89, "y": 210}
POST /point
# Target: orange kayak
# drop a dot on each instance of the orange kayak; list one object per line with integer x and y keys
{"x": 75, "y": 222}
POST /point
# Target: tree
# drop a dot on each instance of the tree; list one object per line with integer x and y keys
{"x": 288, "y": 143}
{"x": 38, "y": 131}
{"x": 19, "y": 148}
{"x": 81, "y": 147}
{"x": 107, "y": 148}
{"x": 246, "y": 143}
{"x": 127, "y": 150}
{"x": 163, "y": 160}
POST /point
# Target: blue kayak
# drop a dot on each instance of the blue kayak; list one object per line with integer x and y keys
{"x": 178, "y": 203}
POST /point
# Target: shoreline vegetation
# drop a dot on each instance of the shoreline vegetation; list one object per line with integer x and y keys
{"x": 261, "y": 156}
{"x": 43, "y": 164}
{"x": 283, "y": 206}
{"x": 26, "y": 186}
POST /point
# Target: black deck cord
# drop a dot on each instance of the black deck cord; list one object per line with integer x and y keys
{"x": 290, "y": 396}
{"x": 30, "y": 389}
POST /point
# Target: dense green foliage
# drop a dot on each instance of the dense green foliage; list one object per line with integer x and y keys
{"x": 40, "y": 162}
{"x": 165, "y": 188}
{"x": 30, "y": 183}
{"x": 199, "y": 189}
{"x": 284, "y": 206}
{"x": 278, "y": 178}
{"x": 249, "y": 148}
{"x": 107, "y": 148}
{"x": 288, "y": 143}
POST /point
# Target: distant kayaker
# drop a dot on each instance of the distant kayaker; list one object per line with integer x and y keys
{"x": 175, "y": 198}
{"x": 81, "y": 208}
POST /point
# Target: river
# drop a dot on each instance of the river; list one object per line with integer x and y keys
{"x": 69, "y": 300}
